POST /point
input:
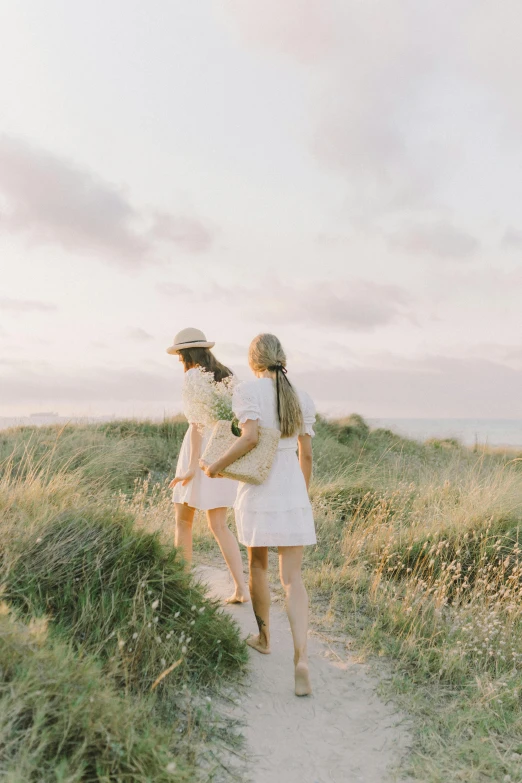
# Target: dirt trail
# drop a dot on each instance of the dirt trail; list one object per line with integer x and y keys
{"x": 344, "y": 733}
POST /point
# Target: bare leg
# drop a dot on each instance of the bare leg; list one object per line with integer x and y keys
{"x": 290, "y": 559}
{"x": 217, "y": 522}
{"x": 260, "y": 592}
{"x": 183, "y": 536}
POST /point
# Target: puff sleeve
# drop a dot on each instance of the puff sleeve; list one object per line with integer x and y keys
{"x": 308, "y": 409}
{"x": 245, "y": 403}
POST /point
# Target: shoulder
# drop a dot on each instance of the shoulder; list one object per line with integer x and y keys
{"x": 246, "y": 401}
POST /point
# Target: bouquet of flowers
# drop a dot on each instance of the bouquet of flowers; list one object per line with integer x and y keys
{"x": 207, "y": 401}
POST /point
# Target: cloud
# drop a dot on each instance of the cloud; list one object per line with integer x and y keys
{"x": 436, "y": 386}
{"x": 358, "y": 306}
{"x": 512, "y": 239}
{"x": 25, "y": 305}
{"x": 440, "y": 240}
{"x": 53, "y": 201}
{"x": 369, "y": 72}
{"x": 51, "y": 386}
{"x": 139, "y": 335}
{"x": 190, "y": 234}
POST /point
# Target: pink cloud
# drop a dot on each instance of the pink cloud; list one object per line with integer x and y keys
{"x": 53, "y": 201}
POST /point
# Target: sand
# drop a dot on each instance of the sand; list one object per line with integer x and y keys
{"x": 343, "y": 733}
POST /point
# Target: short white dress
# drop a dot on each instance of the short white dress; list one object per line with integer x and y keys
{"x": 202, "y": 492}
{"x": 277, "y": 512}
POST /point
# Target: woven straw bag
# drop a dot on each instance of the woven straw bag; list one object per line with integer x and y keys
{"x": 253, "y": 467}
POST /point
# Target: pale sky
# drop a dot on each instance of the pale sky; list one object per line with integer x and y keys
{"x": 345, "y": 174}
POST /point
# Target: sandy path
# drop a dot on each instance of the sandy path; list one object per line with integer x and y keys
{"x": 342, "y": 734}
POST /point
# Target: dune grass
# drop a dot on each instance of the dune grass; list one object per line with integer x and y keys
{"x": 418, "y": 558}
{"x": 121, "y": 621}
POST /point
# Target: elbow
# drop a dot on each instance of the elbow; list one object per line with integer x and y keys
{"x": 251, "y": 440}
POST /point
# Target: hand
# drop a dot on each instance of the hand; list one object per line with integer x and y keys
{"x": 212, "y": 471}
{"x": 183, "y": 479}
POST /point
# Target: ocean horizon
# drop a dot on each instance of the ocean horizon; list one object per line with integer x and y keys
{"x": 490, "y": 432}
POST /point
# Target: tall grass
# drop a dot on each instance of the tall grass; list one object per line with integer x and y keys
{"x": 419, "y": 555}
{"x": 121, "y": 615}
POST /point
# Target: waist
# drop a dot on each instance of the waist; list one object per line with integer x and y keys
{"x": 287, "y": 444}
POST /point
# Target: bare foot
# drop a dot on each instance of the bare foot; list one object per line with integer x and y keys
{"x": 303, "y": 686}
{"x": 258, "y": 644}
{"x": 237, "y": 598}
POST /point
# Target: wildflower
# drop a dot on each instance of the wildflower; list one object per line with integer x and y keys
{"x": 184, "y": 649}
{"x": 156, "y": 619}
{"x": 171, "y": 767}
{"x": 188, "y": 639}
{"x": 121, "y": 643}
{"x": 155, "y": 604}
{"x": 192, "y": 608}
{"x": 158, "y": 639}
{"x": 134, "y": 635}
{"x": 177, "y": 614}
{"x": 207, "y": 698}
{"x": 201, "y": 610}
{"x": 192, "y": 622}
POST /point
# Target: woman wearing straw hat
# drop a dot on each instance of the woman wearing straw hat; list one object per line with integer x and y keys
{"x": 277, "y": 512}
{"x": 192, "y": 489}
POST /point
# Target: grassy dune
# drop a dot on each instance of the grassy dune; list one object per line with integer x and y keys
{"x": 107, "y": 646}
{"x": 418, "y": 558}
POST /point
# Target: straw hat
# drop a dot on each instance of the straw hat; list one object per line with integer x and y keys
{"x": 189, "y": 338}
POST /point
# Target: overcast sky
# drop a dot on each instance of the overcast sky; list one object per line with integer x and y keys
{"x": 345, "y": 174}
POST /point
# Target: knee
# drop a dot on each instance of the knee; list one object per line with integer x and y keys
{"x": 216, "y": 526}
{"x": 291, "y": 581}
{"x": 259, "y": 563}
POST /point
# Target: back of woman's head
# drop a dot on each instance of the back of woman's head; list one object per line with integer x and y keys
{"x": 266, "y": 353}
{"x": 203, "y": 357}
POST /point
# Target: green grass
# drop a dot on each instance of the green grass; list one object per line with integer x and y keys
{"x": 124, "y": 623}
{"x": 418, "y": 558}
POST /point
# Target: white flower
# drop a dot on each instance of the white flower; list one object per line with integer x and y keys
{"x": 177, "y": 614}
{"x": 171, "y": 767}
{"x": 193, "y": 622}
{"x": 134, "y": 635}
{"x": 156, "y": 619}
{"x": 183, "y": 649}
{"x": 206, "y": 401}
{"x": 155, "y": 604}
{"x": 192, "y": 608}
{"x": 202, "y": 609}
{"x": 188, "y": 639}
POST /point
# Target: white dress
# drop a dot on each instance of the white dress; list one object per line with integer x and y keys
{"x": 277, "y": 512}
{"x": 202, "y": 492}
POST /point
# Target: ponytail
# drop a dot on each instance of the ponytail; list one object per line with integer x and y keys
{"x": 266, "y": 353}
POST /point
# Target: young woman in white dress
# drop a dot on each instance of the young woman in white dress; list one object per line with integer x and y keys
{"x": 278, "y": 512}
{"x": 192, "y": 489}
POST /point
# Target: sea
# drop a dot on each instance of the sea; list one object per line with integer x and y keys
{"x": 490, "y": 432}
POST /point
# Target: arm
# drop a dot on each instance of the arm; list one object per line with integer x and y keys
{"x": 196, "y": 439}
{"x": 244, "y": 444}
{"x": 305, "y": 457}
